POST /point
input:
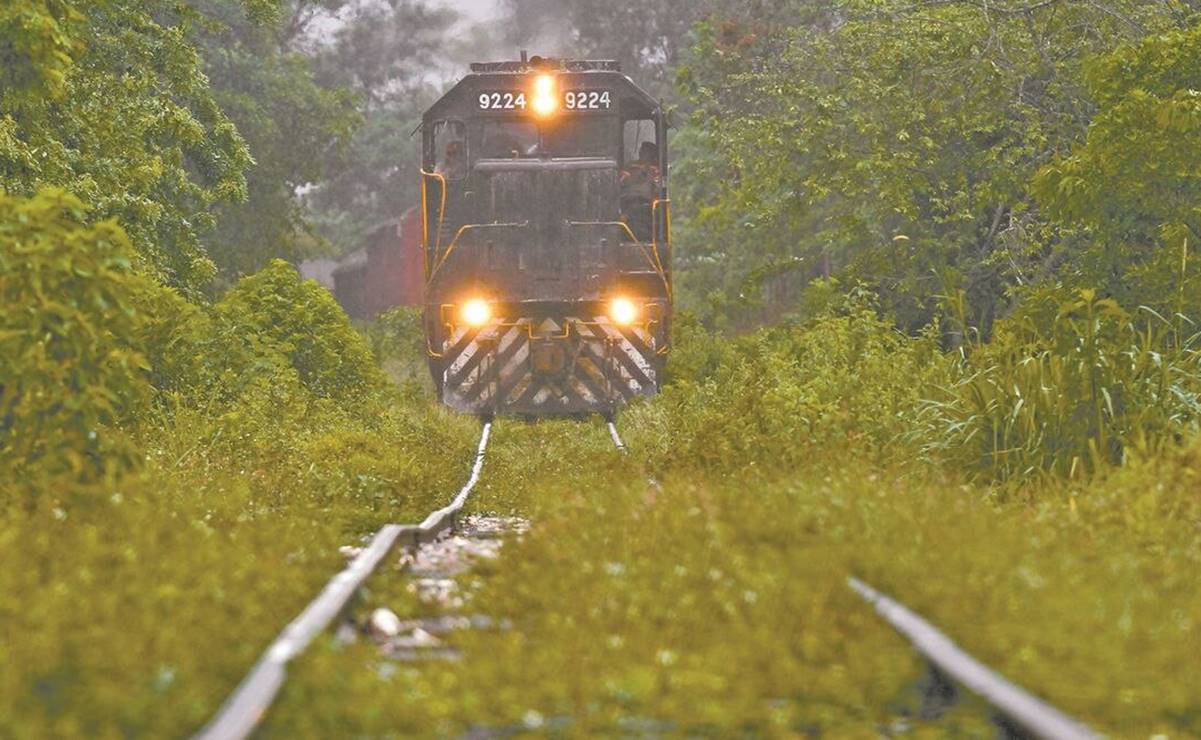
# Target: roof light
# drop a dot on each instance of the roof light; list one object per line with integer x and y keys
{"x": 546, "y": 96}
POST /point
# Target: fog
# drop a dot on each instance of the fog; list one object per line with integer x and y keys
{"x": 479, "y": 10}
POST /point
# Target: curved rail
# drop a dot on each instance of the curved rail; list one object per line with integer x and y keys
{"x": 616, "y": 437}
{"x": 1017, "y": 706}
{"x": 249, "y": 702}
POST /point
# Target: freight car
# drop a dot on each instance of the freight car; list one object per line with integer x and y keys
{"x": 384, "y": 273}
{"x": 547, "y": 239}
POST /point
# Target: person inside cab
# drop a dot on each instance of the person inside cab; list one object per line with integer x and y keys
{"x": 640, "y": 184}
{"x": 454, "y": 164}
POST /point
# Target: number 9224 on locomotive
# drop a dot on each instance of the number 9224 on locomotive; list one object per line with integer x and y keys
{"x": 547, "y": 239}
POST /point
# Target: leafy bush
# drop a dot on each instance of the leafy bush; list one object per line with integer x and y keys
{"x": 70, "y": 368}
{"x": 845, "y": 380}
{"x": 172, "y": 336}
{"x": 165, "y": 462}
{"x": 86, "y": 342}
{"x": 398, "y": 339}
{"x": 1065, "y": 388}
{"x": 301, "y": 320}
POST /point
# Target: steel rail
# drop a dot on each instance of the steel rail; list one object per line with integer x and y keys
{"x": 1014, "y": 704}
{"x": 247, "y": 705}
{"x": 616, "y": 437}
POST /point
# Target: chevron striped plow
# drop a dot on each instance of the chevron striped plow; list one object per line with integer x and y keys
{"x": 551, "y": 360}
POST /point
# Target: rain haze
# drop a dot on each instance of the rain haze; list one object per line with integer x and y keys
{"x": 723, "y": 368}
{"x": 479, "y": 10}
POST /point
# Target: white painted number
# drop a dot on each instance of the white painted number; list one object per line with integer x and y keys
{"x": 502, "y": 101}
{"x": 587, "y": 100}
{"x": 572, "y": 100}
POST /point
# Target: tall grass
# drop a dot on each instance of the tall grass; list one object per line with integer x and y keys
{"x": 1065, "y": 394}
{"x": 1065, "y": 389}
{"x": 176, "y": 478}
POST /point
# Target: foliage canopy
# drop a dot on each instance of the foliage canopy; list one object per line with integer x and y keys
{"x": 902, "y": 144}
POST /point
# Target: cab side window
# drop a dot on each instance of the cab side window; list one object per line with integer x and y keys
{"x": 641, "y": 179}
{"x": 450, "y": 147}
{"x": 635, "y": 133}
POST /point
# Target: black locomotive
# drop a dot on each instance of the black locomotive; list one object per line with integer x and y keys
{"x": 547, "y": 239}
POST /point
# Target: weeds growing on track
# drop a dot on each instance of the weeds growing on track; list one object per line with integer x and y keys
{"x": 717, "y": 604}
{"x": 139, "y": 610}
{"x": 185, "y": 497}
{"x": 1035, "y": 496}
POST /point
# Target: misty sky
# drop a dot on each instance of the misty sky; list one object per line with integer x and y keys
{"x": 479, "y": 9}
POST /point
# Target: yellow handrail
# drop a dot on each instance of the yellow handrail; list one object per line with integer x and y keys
{"x": 464, "y": 229}
{"x": 424, "y": 222}
{"x": 666, "y": 203}
{"x": 654, "y": 262}
{"x": 622, "y": 224}
{"x": 425, "y": 231}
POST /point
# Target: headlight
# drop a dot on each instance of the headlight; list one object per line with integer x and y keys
{"x": 623, "y": 311}
{"x": 546, "y": 97}
{"x": 476, "y": 312}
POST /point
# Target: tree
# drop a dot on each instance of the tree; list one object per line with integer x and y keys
{"x": 1133, "y": 185}
{"x": 38, "y": 43}
{"x": 108, "y": 100}
{"x": 297, "y": 130}
{"x": 649, "y": 37}
{"x": 646, "y": 37}
{"x": 894, "y": 142}
{"x": 388, "y": 53}
{"x": 70, "y": 370}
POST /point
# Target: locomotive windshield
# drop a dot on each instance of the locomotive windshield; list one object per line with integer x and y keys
{"x": 582, "y": 137}
{"x": 516, "y": 139}
{"x": 507, "y": 139}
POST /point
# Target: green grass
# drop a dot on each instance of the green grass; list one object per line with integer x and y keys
{"x": 717, "y": 604}
{"x": 139, "y": 612}
{"x": 264, "y": 437}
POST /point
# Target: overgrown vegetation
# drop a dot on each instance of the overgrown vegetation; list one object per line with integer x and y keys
{"x": 941, "y": 263}
{"x": 714, "y": 602}
{"x": 177, "y": 475}
{"x": 946, "y": 154}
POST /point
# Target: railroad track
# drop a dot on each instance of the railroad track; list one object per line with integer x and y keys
{"x": 616, "y": 437}
{"x": 248, "y": 704}
{"x": 1016, "y": 712}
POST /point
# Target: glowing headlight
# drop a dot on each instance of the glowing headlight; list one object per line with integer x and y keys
{"x": 623, "y": 311}
{"x": 476, "y": 312}
{"x": 546, "y": 97}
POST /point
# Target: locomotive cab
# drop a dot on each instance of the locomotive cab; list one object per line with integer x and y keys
{"x": 546, "y": 239}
